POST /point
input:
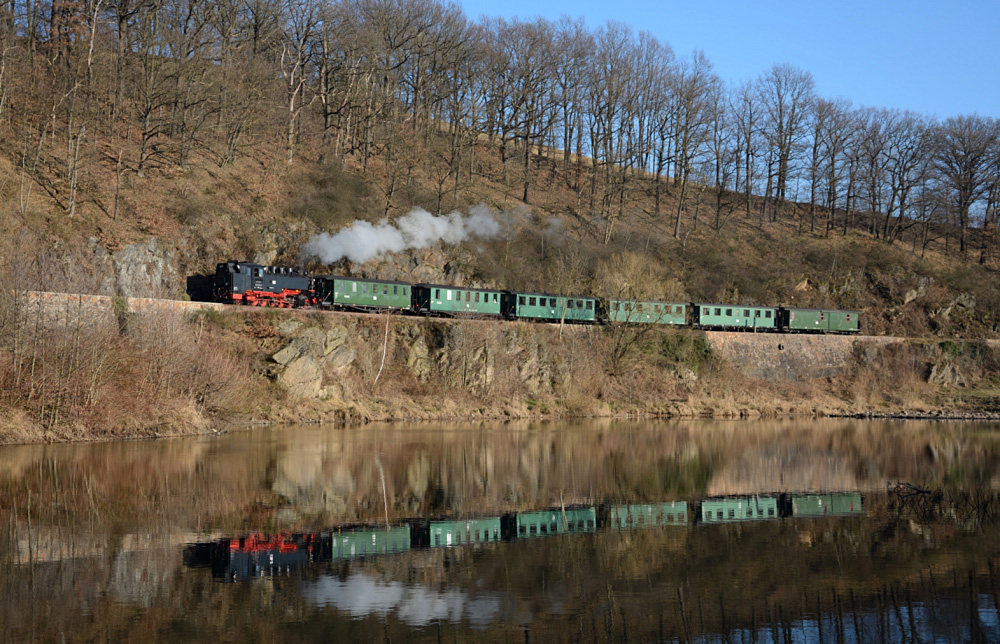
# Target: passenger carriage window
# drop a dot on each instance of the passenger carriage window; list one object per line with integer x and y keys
{"x": 628, "y": 306}
{"x": 615, "y": 306}
{"x": 638, "y": 307}
{"x": 437, "y": 294}
{"x": 767, "y": 314}
{"x": 729, "y": 311}
{"x": 532, "y": 301}
{"x": 656, "y": 308}
{"x": 467, "y": 294}
{"x": 404, "y": 290}
{"x": 520, "y": 300}
{"x": 756, "y": 314}
{"x": 354, "y": 287}
{"x": 579, "y": 304}
{"x": 494, "y": 298}
{"x": 678, "y": 310}
{"x": 552, "y": 302}
{"x": 364, "y": 288}
{"x": 746, "y": 313}
{"x": 395, "y": 290}
{"x": 590, "y": 305}
{"x": 571, "y": 304}
{"x": 385, "y": 289}
{"x": 718, "y": 311}
{"x": 477, "y": 297}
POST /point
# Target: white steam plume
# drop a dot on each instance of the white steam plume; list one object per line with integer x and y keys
{"x": 418, "y": 228}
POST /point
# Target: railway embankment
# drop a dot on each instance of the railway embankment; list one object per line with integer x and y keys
{"x": 773, "y": 356}
{"x": 96, "y": 366}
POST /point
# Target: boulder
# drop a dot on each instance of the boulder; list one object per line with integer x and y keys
{"x": 341, "y": 357}
{"x": 286, "y": 355}
{"x": 335, "y": 338}
{"x": 303, "y": 378}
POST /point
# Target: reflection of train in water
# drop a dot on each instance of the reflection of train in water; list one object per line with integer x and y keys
{"x": 256, "y": 555}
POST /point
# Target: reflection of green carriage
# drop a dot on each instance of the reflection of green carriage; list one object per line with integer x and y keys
{"x": 739, "y": 508}
{"x": 648, "y": 514}
{"x": 360, "y": 543}
{"x": 457, "y": 533}
{"x": 549, "y": 522}
{"x": 820, "y": 505}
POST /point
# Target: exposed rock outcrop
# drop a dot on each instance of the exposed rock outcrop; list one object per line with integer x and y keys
{"x": 299, "y": 366}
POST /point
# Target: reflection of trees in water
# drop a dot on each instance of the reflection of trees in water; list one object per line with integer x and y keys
{"x": 972, "y": 507}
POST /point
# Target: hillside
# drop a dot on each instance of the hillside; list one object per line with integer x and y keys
{"x": 132, "y": 172}
{"x": 175, "y": 224}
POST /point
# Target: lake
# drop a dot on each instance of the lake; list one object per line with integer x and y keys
{"x": 591, "y": 531}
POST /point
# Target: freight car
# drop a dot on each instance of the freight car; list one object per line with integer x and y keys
{"x": 257, "y": 285}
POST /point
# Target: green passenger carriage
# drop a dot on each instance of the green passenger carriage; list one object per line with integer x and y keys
{"x": 646, "y": 312}
{"x": 730, "y": 316}
{"x": 362, "y": 294}
{"x": 549, "y": 308}
{"x": 437, "y": 299}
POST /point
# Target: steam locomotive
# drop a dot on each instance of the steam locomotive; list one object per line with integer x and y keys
{"x": 284, "y": 287}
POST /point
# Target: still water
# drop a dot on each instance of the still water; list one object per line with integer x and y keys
{"x": 697, "y": 531}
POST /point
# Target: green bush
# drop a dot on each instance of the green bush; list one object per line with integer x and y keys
{"x": 686, "y": 349}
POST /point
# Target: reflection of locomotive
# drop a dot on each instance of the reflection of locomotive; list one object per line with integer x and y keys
{"x": 257, "y": 555}
{"x": 264, "y": 556}
{"x": 256, "y": 285}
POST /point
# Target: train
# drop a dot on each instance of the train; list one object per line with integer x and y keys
{"x": 256, "y": 555}
{"x": 252, "y": 284}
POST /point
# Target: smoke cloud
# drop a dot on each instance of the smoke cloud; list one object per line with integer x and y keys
{"x": 362, "y": 241}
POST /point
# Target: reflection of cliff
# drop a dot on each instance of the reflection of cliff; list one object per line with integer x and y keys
{"x": 302, "y": 478}
{"x": 778, "y": 467}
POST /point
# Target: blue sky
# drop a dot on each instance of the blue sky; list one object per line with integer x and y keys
{"x": 936, "y": 58}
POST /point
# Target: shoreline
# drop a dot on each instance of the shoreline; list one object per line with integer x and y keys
{"x": 38, "y": 436}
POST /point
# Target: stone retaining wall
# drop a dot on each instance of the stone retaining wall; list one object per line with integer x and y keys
{"x": 780, "y": 356}
{"x": 64, "y": 301}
